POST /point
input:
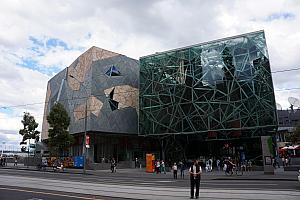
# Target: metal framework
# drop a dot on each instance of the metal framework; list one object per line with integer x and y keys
{"x": 219, "y": 89}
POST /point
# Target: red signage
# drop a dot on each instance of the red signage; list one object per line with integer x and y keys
{"x": 87, "y": 140}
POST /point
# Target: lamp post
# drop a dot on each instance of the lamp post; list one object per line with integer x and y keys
{"x": 85, "y": 125}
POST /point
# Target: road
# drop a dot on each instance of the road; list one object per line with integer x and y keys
{"x": 47, "y": 185}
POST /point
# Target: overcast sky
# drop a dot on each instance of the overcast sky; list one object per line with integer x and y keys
{"x": 39, "y": 38}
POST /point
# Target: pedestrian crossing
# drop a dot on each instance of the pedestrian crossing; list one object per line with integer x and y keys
{"x": 141, "y": 191}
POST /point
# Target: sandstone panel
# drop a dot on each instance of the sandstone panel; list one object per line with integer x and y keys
{"x": 82, "y": 65}
{"x": 126, "y": 95}
{"x": 94, "y": 107}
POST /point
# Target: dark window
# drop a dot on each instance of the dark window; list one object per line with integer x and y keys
{"x": 113, "y": 71}
{"x": 113, "y": 104}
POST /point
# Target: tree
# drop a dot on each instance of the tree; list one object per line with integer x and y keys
{"x": 59, "y": 138}
{"x": 29, "y": 132}
{"x": 295, "y": 136}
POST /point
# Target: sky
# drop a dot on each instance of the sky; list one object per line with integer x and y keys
{"x": 39, "y": 38}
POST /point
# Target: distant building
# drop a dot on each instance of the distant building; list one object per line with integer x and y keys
{"x": 287, "y": 122}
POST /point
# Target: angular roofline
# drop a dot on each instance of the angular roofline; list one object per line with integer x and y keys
{"x": 203, "y": 43}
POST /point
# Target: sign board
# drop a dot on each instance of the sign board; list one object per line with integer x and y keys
{"x": 87, "y": 141}
{"x": 268, "y": 160}
{"x": 150, "y": 158}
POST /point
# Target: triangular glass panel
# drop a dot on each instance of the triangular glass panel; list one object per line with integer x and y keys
{"x": 113, "y": 71}
{"x": 113, "y": 104}
{"x": 111, "y": 94}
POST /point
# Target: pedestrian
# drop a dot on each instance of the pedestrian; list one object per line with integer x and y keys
{"x": 16, "y": 161}
{"x": 4, "y": 161}
{"x": 195, "y": 176}
{"x": 182, "y": 168}
{"x": 157, "y": 166}
{"x": 175, "y": 170}
{"x": 273, "y": 163}
{"x": 289, "y": 160}
{"x": 249, "y": 165}
{"x": 218, "y": 164}
{"x": 163, "y": 166}
{"x": 277, "y": 162}
{"x": 136, "y": 163}
{"x": 286, "y": 161}
{"x": 210, "y": 161}
{"x": 113, "y": 166}
{"x": 283, "y": 161}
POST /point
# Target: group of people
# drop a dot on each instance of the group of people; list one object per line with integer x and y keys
{"x": 160, "y": 166}
{"x": 181, "y": 167}
{"x": 227, "y": 163}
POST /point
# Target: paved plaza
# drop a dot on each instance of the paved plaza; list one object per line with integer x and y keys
{"x": 137, "y": 184}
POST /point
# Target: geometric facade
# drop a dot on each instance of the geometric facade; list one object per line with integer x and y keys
{"x": 108, "y": 82}
{"x": 217, "y": 90}
{"x": 91, "y": 80}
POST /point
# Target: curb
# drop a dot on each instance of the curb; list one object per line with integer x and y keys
{"x": 257, "y": 179}
{"x": 49, "y": 171}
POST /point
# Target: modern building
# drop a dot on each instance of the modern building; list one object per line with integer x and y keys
{"x": 100, "y": 88}
{"x": 214, "y": 98}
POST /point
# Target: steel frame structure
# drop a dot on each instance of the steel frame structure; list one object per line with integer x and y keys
{"x": 218, "y": 90}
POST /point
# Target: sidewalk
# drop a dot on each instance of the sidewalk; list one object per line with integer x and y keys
{"x": 279, "y": 175}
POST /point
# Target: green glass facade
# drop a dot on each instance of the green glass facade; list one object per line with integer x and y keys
{"x": 220, "y": 89}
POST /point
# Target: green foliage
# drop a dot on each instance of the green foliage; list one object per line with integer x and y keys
{"x": 295, "y": 136}
{"x": 29, "y": 132}
{"x": 59, "y": 138}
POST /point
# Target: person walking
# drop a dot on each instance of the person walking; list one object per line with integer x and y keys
{"x": 16, "y": 161}
{"x": 163, "y": 167}
{"x": 182, "y": 168}
{"x": 113, "y": 166}
{"x": 136, "y": 163}
{"x": 157, "y": 166}
{"x": 219, "y": 165}
{"x": 175, "y": 170}
{"x": 283, "y": 161}
{"x": 195, "y": 176}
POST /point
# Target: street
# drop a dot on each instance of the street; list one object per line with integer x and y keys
{"x": 140, "y": 185}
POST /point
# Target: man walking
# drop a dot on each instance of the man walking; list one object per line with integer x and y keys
{"x": 175, "y": 171}
{"x": 195, "y": 176}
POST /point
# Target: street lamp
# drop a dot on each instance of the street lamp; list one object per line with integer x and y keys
{"x": 85, "y": 125}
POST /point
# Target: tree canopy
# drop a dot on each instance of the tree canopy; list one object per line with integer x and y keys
{"x": 29, "y": 132}
{"x": 59, "y": 138}
{"x": 295, "y": 136}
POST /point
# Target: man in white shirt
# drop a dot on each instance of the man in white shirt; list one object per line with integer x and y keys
{"x": 195, "y": 176}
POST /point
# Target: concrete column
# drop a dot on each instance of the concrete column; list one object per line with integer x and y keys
{"x": 267, "y": 153}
